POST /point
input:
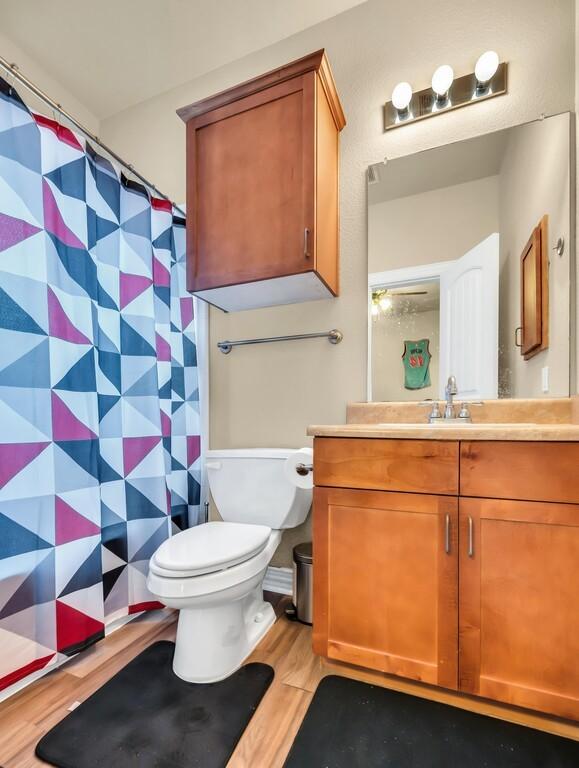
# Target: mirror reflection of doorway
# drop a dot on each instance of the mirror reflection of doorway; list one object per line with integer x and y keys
{"x": 445, "y": 326}
{"x": 403, "y": 316}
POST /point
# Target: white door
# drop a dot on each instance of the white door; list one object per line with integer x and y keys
{"x": 469, "y": 322}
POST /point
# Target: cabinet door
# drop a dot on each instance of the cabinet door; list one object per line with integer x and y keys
{"x": 385, "y": 582}
{"x": 519, "y": 603}
{"x": 531, "y": 294}
{"x": 535, "y": 292}
{"x": 250, "y": 187}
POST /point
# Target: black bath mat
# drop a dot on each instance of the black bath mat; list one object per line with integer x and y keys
{"x": 146, "y": 717}
{"x": 354, "y": 725}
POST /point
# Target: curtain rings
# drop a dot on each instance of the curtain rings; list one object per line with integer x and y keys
{"x": 129, "y": 172}
{"x": 57, "y": 114}
{"x": 13, "y": 70}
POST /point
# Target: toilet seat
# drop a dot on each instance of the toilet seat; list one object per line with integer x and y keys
{"x": 208, "y": 548}
{"x": 167, "y": 585}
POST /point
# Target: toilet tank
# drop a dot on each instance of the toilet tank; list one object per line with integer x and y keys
{"x": 250, "y": 485}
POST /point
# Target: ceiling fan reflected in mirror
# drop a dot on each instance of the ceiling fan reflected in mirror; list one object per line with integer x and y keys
{"x": 382, "y": 299}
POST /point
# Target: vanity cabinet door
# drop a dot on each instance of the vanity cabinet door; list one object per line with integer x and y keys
{"x": 519, "y": 603}
{"x": 386, "y": 582}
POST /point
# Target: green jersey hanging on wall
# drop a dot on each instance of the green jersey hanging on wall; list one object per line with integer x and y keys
{"x": 416, "y": 361}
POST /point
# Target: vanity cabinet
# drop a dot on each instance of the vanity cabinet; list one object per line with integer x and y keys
{"x": 262, "y": 189}
{"x": 414, "y": 466}
{"x": 458, "y": 566}
{"x": 519, "y": 603}
{"x": 386, "y": 582}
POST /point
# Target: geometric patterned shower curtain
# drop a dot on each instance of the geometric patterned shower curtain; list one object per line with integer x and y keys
{"x": 99, "y": 405}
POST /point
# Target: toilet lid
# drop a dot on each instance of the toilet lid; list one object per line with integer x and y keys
{"x": 211, "y": 547}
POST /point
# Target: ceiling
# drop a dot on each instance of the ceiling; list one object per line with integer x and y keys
{"x": 443, "y": 166}
{"x": 404, "y": 304}
{"x": 112, "y": 54}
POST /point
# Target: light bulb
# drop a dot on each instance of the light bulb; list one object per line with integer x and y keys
{"x": 375, "y": 309}
{"x": 402, "y": 96}
{"x": 486, "y": 66}
{"x": 442, "y": 80}
{"x": 385, "y": 303}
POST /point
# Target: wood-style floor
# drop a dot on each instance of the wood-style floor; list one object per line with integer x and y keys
{"x": 25, "y": 717}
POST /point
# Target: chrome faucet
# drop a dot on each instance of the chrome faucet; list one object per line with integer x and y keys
{"x": 450, "y": 391}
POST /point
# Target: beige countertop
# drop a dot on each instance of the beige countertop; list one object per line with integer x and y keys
{"x": 548, "y": 419}
{"x": 480, "y": 431}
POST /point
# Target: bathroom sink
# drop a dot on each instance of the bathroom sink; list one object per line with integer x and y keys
{"x": 457, "y": 423}
{"x": 441, "y": 423}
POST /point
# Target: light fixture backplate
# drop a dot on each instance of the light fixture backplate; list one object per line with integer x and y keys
{"x": 462, "y": 93}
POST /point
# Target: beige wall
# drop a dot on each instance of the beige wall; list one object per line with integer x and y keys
{"x": 439, "y": 225}
{"x": 534, "y": 181}
{"x": 267, "y": 395}
{"x": 388, "y": 337}
{"x": 38, "y": 74}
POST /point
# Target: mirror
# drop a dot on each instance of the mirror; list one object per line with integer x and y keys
{"x": 469, "y": 267}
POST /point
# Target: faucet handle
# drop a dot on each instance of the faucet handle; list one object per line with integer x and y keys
{"x": 464, "y": 412}
{"x": 434, "y": 406}
{"x": 451, "y": 386}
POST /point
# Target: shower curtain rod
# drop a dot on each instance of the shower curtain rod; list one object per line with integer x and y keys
{"x": 16, "y": 74}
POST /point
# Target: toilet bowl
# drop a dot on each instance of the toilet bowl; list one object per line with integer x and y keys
{"x": 213, "y": 573}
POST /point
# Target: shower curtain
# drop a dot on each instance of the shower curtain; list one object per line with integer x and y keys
{"x": 99, "y": 405}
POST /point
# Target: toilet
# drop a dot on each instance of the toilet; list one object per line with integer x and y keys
{"x": 213, "y": 573}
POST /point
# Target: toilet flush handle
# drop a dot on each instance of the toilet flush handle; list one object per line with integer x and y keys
{"x": 304, "y": 469}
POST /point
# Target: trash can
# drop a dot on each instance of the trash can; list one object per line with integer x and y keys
{"x": 303, "y": 582}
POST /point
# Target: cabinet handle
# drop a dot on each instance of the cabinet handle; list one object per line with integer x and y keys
{"x": 306, "y": 243}
{"x": 470, "y": 537}
{"x": 447, "y": 535}
{"x": 518, "y": 339}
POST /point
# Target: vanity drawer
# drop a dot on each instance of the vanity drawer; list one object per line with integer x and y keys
{"x": 526, "y": 471}
{"x": 414, "y": 466}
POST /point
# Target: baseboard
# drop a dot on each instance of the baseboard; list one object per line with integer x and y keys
{"x": 279, "y": 580}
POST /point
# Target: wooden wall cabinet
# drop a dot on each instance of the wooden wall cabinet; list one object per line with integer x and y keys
{"x": 262, "y": 189}
{"x": 535, "y": 292}
{"x": 474, "y": 587}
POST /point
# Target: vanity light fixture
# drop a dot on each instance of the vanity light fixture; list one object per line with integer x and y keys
{"x": 441, "y": 83}
{"x": 401, "y": 98}
{"x": 488, "y": 80}
{"x": 485, "y": 69}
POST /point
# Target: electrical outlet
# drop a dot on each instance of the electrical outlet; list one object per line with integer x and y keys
{"x": 545, "y": 378}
